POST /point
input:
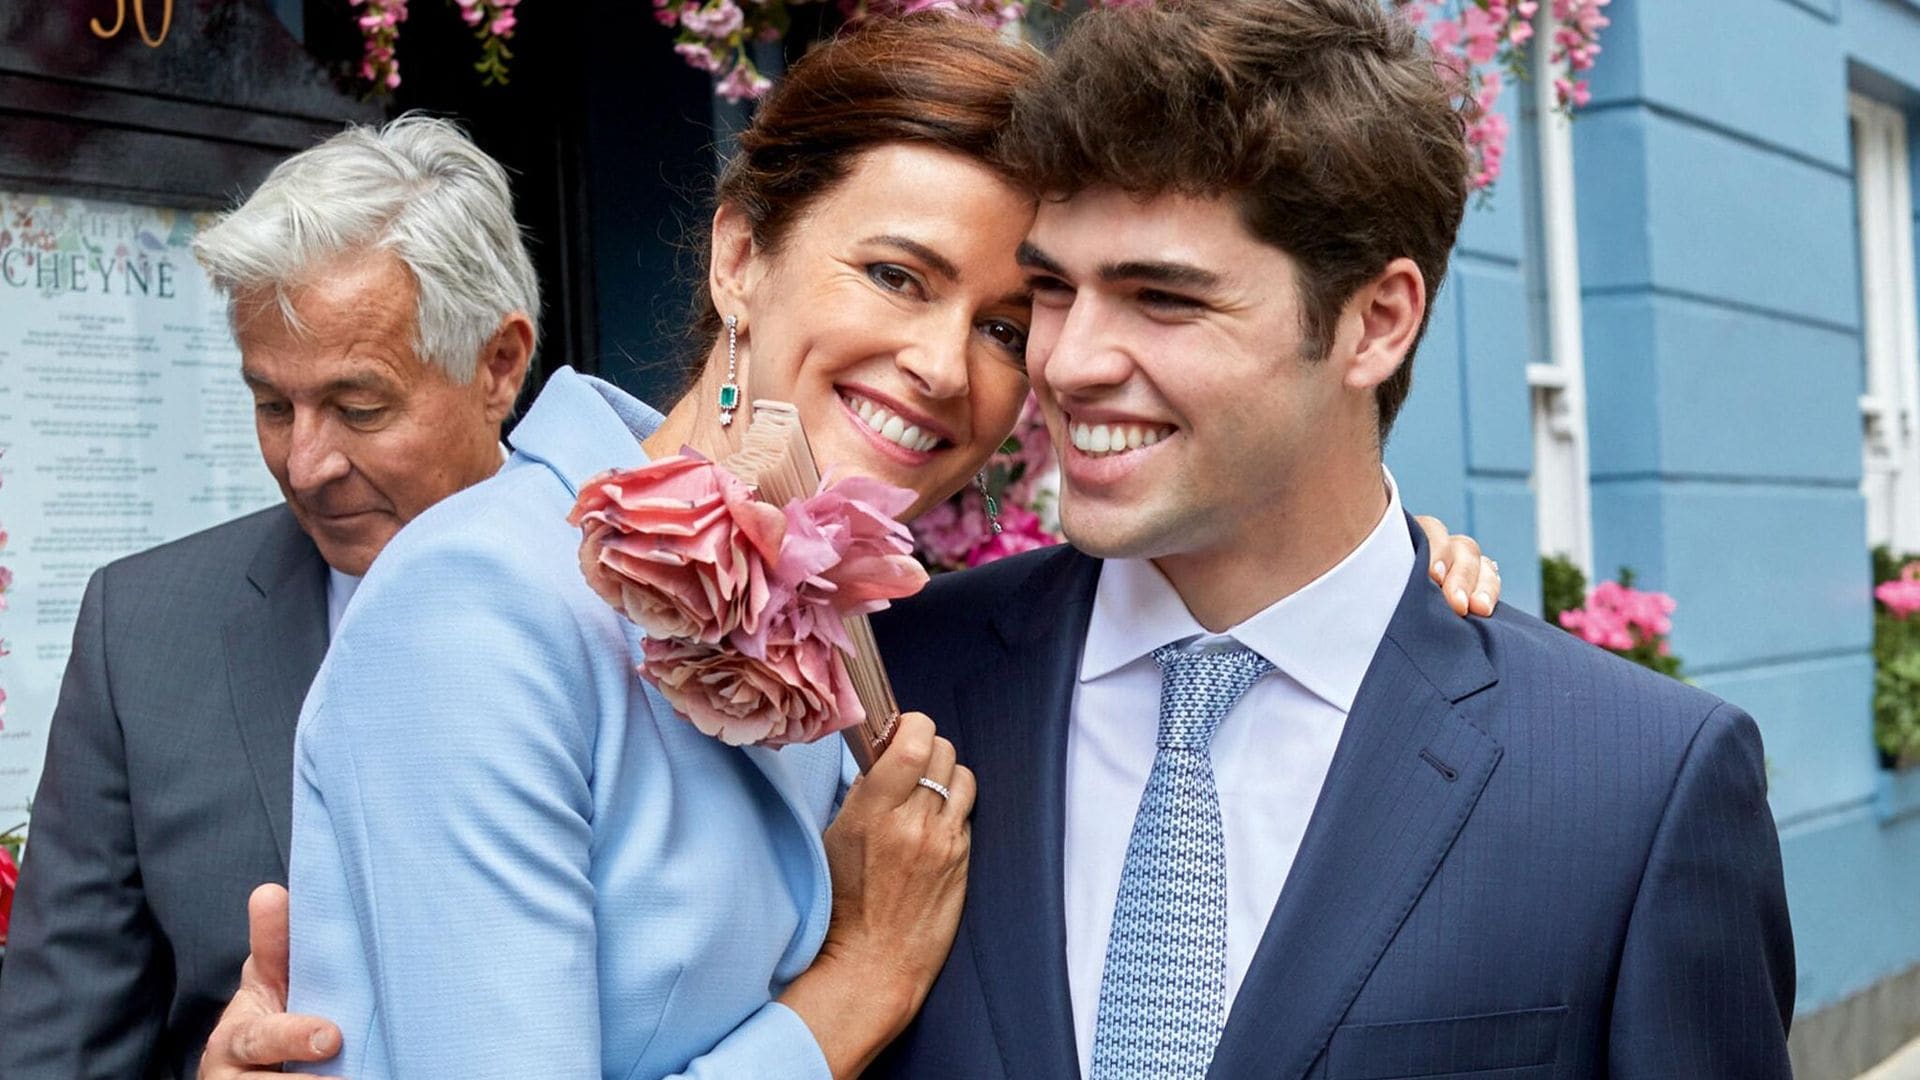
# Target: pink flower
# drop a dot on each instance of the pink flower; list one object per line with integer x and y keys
{"x": 1621, "y": 618}
{"x": 947, "y": 532}
{"x": 1034, "y": 456}
{"x": 9, "y": 880}
{"x": 680, "y": 545}
{"x": 1901, "y": 597}
{"x": 742, "y": 82}
{"x": 872, "y": 562}
{"x": 719, "y": 21}
{"x": 1597, "y": 625}
{"x": 743, "y": 602}
{"x": 798, "y": 692}
{"x": 698, "y": 57}
{"x": 843, "y": 554}
{"x": 1020, "y": 530}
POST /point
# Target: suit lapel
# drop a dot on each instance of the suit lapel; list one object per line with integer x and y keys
{"x": 1409, "y": 768}
{"x": 274, "y": 646}
{"x": 1016, "y": 712}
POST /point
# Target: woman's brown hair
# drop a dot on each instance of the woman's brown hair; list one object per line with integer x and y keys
{"x": 931, "y": 79}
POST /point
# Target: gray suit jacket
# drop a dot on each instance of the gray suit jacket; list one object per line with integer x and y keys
{"x": 166, "y": 799}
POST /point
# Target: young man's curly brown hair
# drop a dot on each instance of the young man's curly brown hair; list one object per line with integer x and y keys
{"x": 1327, "y": 119}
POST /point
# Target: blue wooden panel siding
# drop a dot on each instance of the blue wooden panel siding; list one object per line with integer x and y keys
{"x": 1722, "y": 331}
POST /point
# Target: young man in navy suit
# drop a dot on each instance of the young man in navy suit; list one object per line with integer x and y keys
{"x": 1401, "y": 844}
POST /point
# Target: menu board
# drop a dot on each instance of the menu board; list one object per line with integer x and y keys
{"x": 123, "y": 424}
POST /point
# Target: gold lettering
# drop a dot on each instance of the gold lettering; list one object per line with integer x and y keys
{"x": 120, "y": 20}
{"x": 140, "y": 21}
{"x": 166, "y": 21}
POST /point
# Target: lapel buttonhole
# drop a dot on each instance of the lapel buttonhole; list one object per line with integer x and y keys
{"x": 1449, "y": 772}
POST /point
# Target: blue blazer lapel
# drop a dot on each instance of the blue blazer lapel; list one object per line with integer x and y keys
{"x": 1015, "y": 715}
{"x": 581, "y": 426}
{"x": 1410, "y": 766}
{"x": 274, "y": 645}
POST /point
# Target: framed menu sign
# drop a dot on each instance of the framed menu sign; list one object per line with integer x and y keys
{"x": 123, "y": 420}
{"x": 123, "y": 424}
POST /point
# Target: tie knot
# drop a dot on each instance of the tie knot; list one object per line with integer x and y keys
{"x": 1198, "y": 690}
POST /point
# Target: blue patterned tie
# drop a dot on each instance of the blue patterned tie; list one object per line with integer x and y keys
{"x": 1163, "y": 994}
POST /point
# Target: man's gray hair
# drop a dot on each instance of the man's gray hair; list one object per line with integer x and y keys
{"x": 417, "y": 187}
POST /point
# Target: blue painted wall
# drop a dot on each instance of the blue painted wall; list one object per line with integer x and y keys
{"x": 1722, "y": 325}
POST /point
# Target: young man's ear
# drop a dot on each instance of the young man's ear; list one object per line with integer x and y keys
{"x": 1387, "y": 312}
{"x": 732, "y": 269}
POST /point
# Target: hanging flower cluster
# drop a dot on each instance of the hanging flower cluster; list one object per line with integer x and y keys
{"x": 380, "y": 25}
{"x": 1485, "y": 43}
{"x": 714, "y": 34}
{"x": 493, "y": 22}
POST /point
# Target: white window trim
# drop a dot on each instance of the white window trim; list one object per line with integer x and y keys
{"x": 1890, "y": 403}
{"x": 1558, "y": 381}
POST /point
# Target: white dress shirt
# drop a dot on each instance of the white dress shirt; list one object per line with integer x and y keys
{"x": 340, "y": 589}
{"x": 1270, "y": 754}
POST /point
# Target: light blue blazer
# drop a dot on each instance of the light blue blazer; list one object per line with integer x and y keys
{"x": 510, "y": 858}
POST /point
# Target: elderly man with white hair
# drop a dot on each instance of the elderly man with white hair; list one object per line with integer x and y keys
{"x": 385, "y": 308}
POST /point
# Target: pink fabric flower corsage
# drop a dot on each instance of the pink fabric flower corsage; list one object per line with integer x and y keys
{"x": 680, "y": 546}
{"x": 742, "y": 601}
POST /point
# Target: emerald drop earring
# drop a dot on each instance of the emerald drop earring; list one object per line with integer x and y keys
{"x": 730, "y": 390}
{"x": 993, "y": 504}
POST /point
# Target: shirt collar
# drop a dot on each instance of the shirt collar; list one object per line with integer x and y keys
{"x": 340, "y": 590}
{"x": 1323, "y": 636}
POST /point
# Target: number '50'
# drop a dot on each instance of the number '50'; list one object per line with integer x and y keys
{"x": 139, "y": 19}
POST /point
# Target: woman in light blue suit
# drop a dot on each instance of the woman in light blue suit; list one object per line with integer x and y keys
{"x": 510, "y": 858}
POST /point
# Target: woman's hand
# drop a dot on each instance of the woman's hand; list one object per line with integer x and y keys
{"x": 1470, "y": 580}
{"x": 898, "y": 854}
{"x": 255, "y": 1033}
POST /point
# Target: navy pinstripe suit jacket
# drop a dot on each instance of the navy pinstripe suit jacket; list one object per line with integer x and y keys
{"x": 1530, "y": 859}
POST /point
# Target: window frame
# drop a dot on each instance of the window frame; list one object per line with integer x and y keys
{"x": 1556, "y": 378}
{"x": 1890, "y": 324}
